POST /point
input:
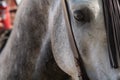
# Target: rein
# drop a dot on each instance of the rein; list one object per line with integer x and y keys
{"x": 76, "y": 53}
{"x": 112, "y": 24}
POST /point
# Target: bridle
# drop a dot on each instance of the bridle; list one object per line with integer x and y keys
{"x": 77, "y": 56}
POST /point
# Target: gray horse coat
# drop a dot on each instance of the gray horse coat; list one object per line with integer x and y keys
{"x": 38, "y": 47}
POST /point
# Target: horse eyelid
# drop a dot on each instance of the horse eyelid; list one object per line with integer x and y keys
{"x": 83, "y": 15}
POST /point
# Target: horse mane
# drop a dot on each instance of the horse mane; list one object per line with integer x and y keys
{"x": 112, "y": 23}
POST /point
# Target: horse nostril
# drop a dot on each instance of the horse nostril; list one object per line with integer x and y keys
{"x": 83, "y": 15}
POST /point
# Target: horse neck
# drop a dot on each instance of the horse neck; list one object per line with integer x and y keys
{"x": 19, "y": 56}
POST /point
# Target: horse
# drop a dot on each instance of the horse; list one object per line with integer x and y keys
{"x": 39, "y": 46}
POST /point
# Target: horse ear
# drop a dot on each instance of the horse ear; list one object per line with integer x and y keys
{"x": 61, "y": 49}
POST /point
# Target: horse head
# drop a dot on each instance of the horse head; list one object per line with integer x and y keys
{"x": 39, "y": 45}
{"x": 88, "y": 24}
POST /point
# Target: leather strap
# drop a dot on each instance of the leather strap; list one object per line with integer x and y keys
{"x": 72, "y": 41}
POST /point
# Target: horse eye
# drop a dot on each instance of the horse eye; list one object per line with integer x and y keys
{"x": 83, "y": 15}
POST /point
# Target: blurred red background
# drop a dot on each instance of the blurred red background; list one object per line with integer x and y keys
{"x": 13, "y": 8}
{"x": 7, "y": 15}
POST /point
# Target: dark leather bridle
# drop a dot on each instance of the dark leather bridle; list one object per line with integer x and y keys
{"x": 77, "y": 56}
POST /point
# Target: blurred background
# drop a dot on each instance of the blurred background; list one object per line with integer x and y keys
{"x": 8, "y": 10}
{"x": 12, "y": 9}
